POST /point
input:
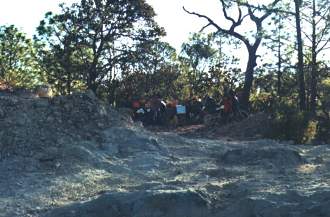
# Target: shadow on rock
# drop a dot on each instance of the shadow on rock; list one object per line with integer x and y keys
{"x": 139, "y": 204}
{"x": 275, "y": 156}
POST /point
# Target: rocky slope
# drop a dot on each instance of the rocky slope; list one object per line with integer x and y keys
{"x": 72, "y": 156}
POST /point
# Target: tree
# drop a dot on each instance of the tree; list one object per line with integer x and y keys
{"x": 252, "y": 47}
{"x": 58, "y": 54}
{"x": 316, "y": 15}
{"x": 152, "y": 57}
{"x": 300, "y": 68}
{"x": 18, "y": 66}
{"x": 103, "y": 32}
{"x": 113, "y": 26}
{"x": 153, "y": 69}
{"x": 196, "y": 57}
{"x": 278, "y": 41}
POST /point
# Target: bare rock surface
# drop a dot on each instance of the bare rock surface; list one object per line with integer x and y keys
{"x": 73, "y": 156}
{"x": 140, "y": 204}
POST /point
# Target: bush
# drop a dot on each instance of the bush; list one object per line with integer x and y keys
{"x": 261, "y": 102}
{"x": 289, "y": 123}
{"x": 323, "y": 130}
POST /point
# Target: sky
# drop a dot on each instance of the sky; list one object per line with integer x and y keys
{"x": 26, "y": 15}
{"x": 177, "y": 23}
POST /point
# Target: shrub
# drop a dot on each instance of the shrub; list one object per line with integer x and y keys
{"x": 261, "y": 102}
{"x": 323, "y": 130}
{"x": 289, "y": 123}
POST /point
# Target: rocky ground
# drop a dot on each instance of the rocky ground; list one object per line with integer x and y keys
{"x": 74, "y": 157}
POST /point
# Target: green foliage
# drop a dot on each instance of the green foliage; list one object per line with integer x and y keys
{"x": 18, "y": 65}
{"x": 205, "y": 68}
{"x": 261, "y": 101}
{"x": 152, "y": 70}
{"x": 114, "y": 48}
{"x": 290, "y": 124}
{"x": 323, "y": 130}
{"x": 310, "y": 132}
{"x": 301, "y": 127}
{"x": 325, "y": 97}
{"x": 57, "y": 52}
{"x": 196, "y": 57}
{"x": 90, "y": 42}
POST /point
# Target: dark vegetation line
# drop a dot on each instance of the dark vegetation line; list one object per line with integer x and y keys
{"x": 114, "y": 48}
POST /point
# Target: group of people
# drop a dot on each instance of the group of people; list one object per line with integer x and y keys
{"x": 150, "y": 111}
{"x": 157, "y": 111}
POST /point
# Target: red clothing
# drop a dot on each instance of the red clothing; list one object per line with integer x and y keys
{"x": 136, "y": 104}
{"x": 228, "y": 105}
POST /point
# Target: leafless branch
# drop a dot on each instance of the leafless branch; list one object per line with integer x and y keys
{"x": 324, "y": 47}
{"x": 269, "y": 9}
{"x": 219, "y": 28}
{"x": 307, "y": 36}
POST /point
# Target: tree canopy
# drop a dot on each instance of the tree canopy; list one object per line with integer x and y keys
{"x": 116, "y": 49}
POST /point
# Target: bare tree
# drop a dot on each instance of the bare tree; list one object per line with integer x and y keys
{"x": 251, "y": 46}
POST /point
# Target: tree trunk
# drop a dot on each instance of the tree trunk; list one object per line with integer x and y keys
{"x": 112, "y": 92}
{"x": 252, "y": 62}
{"x": 68, "y": 83}
{"x": 91, "y": 84}
{"x": 279, "y": 75}
{"x": 314, "y": 65}
{"x": 279, "y": 64}
{"x": 300, "y": 69}
{"x": 252, "y": 49}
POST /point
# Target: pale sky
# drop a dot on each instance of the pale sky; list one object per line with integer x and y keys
{"x": 26, "y": 15}
{"x": 177, "y": 23}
